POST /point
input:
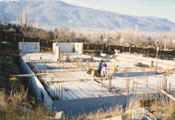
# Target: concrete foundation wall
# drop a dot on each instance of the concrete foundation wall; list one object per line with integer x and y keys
{"x": 66, "y": 47}
{"x": 137, "y": 74}
{"x": 29, "y": 47}
{"x": 35, "y": 85}
{"x": 57, "y": 53}
{"x": 69, "y": 47}
{"x": 78, "y": 48}
{"x": 89, "y": 105}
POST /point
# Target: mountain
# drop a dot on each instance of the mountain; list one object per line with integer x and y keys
{"x": 56, "y": 13}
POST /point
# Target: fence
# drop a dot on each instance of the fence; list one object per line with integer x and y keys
{"x": 46, "y": 45}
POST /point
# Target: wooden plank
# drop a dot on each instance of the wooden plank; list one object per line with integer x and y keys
{"x": 29, "y": 75}
{"x": 168, "y": 95}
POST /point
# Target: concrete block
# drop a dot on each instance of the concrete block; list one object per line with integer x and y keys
{"x": 147, "y": 117}
{"x": 136, "y": 116}
{"x": 58, "y": 115}
{"x": 142, "y": 114}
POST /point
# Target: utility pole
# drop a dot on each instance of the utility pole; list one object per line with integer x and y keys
{"x": 157, "y": 52}
{"x": 165, "y": 42}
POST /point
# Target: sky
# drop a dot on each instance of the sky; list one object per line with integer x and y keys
{"x": 156, "y": 8}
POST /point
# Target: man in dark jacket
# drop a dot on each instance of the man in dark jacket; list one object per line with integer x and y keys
{"x": 99, "y": 68}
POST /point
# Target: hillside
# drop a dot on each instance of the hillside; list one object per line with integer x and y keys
{"x": 15, "y": 102}
{"x": 55, "y": 13}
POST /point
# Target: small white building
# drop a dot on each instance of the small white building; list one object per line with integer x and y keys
{"x": 69, "y": 47}
{"x": 29, "y": 47}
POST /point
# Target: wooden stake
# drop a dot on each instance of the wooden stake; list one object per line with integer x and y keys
{"x": 110, "y": 82}
{"x": 93, "y": 74}
{"x": 127, "y": 85}
{"x": 87, "y": 63}
{"x": 146, "y": 79}
{"x": 133, "y": 87}
{"x": 63, "y": 64}
{"x": 72, "y": 61}
{"x": 92, "y": 59}
{"x": 158, "y": 85}
{"x": 164, "y": 84}
{"x": 80, "y": 62}
{"x": 109, "y": 78}
{"x": 126, "y": 73}
{"x": 115, "y": 69}
{"x": 136, "y": 87}
{"x": 67, "y": 58}
{"x": 101, "y": 76}
{"x": 169, "y": 91}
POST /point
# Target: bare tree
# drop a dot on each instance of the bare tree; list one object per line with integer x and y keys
{"x": 61, "y": 34}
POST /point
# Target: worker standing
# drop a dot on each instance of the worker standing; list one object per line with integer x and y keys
{"x": 104, "y": 69}
{"x": 99, "y": 68}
